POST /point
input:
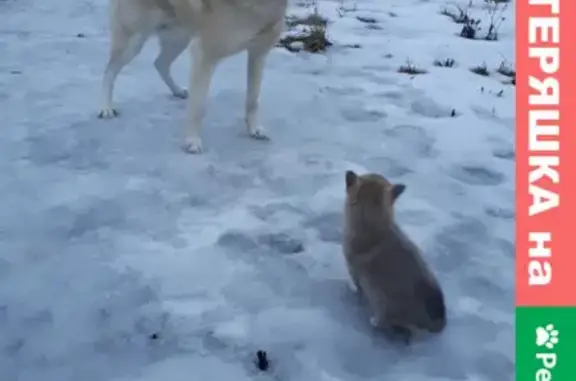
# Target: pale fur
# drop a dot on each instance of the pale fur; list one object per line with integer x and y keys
{"x": 384, "y": 264}
{"x": 221, "y": 28}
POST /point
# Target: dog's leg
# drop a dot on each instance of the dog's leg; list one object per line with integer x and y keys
{"x": 201, "y": 72}
{"x": 257, "y": 55}
{"x": 172, "y": 44}
{"x": 256, "y": 62}
{"x": 124, "y": 49}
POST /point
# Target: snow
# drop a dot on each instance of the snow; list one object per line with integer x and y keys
{"x": 110, "y": 234}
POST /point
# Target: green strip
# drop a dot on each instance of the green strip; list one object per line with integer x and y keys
{"x": 545, "y": 343}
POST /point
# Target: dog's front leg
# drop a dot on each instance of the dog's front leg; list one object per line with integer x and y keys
{"x": 257, "y": 55}
{"x": 201, "y": 72}
{"x": 256, "y": 60}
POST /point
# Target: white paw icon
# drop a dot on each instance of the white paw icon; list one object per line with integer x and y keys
{"x": 547, "y": 336}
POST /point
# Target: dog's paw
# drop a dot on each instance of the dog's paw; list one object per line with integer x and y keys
{"x": 180, "y": 93}
{"x": 258, "y": 133}
{"x": 193, "y": 145}
{"x": 107, "y": 113}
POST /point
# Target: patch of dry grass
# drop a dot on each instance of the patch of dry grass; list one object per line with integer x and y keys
{"x": 312, "y": 36}
{"x": 411, "y": 69}
{"x": 481, "y": 70}
{"x": 447, "y": 62}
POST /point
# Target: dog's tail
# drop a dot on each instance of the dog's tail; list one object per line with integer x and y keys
{"x": 433, "y": 299}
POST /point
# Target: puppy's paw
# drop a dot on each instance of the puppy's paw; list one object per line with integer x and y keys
{"x": 401, "y": 333}
{"x": 192, "y": 145}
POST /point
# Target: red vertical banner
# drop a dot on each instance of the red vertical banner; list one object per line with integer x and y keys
{"x": 567, "y": 222}
{"x": 546, "y": 152}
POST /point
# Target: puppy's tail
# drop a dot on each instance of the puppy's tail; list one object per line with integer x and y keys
{"x": 433, "y": 299}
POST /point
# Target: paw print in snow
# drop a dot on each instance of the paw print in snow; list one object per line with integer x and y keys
{"x": 547, "y": 336}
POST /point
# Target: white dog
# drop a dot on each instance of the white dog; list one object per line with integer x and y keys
{"x": 221, "y": 28}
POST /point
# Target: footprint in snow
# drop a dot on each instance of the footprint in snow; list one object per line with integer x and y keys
{"x": 477, "y": 175}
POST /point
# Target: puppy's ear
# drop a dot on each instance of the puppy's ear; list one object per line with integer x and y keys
{"x": 351, "y": 179}
{"x": 397, "y": 190}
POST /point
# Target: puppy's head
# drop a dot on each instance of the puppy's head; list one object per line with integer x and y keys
{"x": 372, "y": 191}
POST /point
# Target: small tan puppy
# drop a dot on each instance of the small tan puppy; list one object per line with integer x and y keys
{"x": 384, "y": 264}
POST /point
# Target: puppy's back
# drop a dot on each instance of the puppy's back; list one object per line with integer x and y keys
{"x": 399, "y": 279}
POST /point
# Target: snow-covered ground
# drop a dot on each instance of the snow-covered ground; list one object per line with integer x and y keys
{"x": 122, "y": 258}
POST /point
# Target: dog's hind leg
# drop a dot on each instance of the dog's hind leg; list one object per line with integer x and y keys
{"x": 124, "y": 48}
{"x": 257, "y": 54}
{"x": 172, "y": 43}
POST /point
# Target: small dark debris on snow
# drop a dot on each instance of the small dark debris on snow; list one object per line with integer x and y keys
{"x": 453, "y": 113}
{"x": 154, "y": 336}
{"x": 80, "y": 35}
{"x": 262, "y": 360}
{"x": 15, "y": 72}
